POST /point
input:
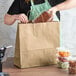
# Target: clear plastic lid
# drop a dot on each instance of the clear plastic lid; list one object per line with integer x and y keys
{"x": 72, "y": 58}
{"x": 62, "y": 49}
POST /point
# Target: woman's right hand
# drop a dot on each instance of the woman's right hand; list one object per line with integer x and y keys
{"x": 22, "y": 17}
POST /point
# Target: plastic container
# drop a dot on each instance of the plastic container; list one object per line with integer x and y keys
{"x": 72, "y": 65}
{"x": 63, "y": 65}
{"x": 63, "y": 57}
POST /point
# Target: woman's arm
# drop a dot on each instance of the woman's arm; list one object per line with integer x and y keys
{"x": 14, "y": 14}
{"x": 66, "y": 5}
{"x": 63, "y": 6}
{"x": 10, "y": 19}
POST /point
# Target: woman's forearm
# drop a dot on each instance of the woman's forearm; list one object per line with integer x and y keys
{"x": 9, "y": 19}
{"x": 66, "y": 5}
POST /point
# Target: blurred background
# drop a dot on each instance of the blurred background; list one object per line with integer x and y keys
{"x": 67, "y": 28}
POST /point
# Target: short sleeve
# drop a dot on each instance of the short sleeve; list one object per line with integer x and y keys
{"x": 55, "y": 2}
{"x": 14, "y": 8}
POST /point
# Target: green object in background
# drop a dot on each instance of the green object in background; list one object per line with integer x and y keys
{"x": 37, "y": 10}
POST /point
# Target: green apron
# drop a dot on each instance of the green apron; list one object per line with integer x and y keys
{"x": 37, "y": 10}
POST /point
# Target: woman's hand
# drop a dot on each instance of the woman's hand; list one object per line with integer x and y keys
{"x": 52, "y": 11}
{"x": 22, "y": 17}
{"x": 10, "y": 19}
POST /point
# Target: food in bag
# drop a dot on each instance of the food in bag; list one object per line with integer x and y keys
{"x": 44, "y": 17}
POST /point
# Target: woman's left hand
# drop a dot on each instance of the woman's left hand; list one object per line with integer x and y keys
{"x": 52, "y": 11}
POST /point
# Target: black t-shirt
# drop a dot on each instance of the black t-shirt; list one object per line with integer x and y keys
{"x": 20, "y": 6}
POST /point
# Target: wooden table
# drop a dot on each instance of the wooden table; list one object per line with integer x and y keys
{"x": 38, "y": 71}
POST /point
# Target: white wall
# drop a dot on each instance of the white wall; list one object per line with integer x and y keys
{"x": 68, "y": 29}
{"x": 7, "y": 33}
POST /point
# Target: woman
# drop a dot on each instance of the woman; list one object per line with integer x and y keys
{"x": 19, "y": 9}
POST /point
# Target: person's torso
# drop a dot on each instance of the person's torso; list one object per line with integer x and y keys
{"x": 24, "y": 7}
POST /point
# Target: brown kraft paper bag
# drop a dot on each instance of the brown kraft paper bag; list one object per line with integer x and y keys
{"x": 36, "y": 44}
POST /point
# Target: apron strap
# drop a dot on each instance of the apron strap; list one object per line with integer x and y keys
{"x": 46, "y": 0}
{"x": 32, "y": 3}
